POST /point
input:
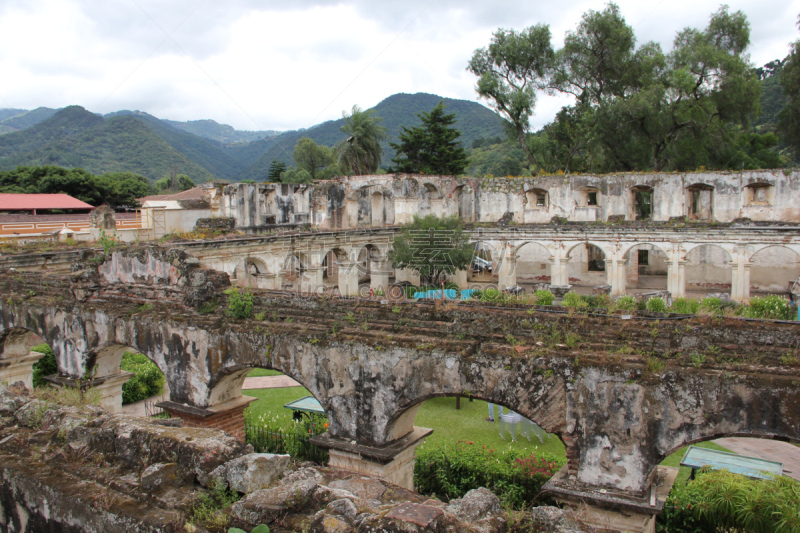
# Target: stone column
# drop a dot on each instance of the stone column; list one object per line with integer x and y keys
{"x": 460, "y": 279}
{"x": 740, "y": 276}
{"x": 19, "y": 368}
{"x": 507, "y": 275}
{"x": 379, "y": 272}
{"x": 676, "y": 272}
{"x": 348, "y": 278}
{"x": 226, "y": 416}
{"x": 616, "y": 273}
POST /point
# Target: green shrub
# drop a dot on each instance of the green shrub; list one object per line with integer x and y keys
{"x": 771, "y": 307}
{"x": 543, "y": 297}
{"x": 598, "y": 301}
{"x": 625, "y": 303}
{"x": 721, "y": 501}
{"x": 491, "y": 295}
{"x": 147, "y": 381}
{"x": 452, "y": 471}
{"x": 46, "y": 366}
{"x": 240, "y": 304}
{"x": 656, "y": 305}
{"x": 685, "y": 306}
{"x": 574, "y": 300}
{"x": 710, "y": 306}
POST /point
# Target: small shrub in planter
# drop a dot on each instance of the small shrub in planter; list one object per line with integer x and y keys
{"x": 574, "y": 300}
{"x": 685, "y": 306}
{"x": 543, "y": 297}
{"x": 625, "y": 303}
{"x": 656, "y": 305}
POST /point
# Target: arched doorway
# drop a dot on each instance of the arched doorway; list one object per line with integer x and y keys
{"x": 587, "y": 265}
{"x": 484, "y": 263}
{"x": 533, "y": 264}
{"x": 708, "y": 270}
{"x": 773, "y": 270}
{"x": 646, "y": 267}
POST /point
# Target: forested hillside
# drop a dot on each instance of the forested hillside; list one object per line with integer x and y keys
{"x": 211, "y": 129}
{"x": 74, "y": 137}
{"x": 20, "y": 119}
{"x": 473, "y": 120}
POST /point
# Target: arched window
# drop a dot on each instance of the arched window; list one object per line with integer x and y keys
{"x": 537, "y": 199}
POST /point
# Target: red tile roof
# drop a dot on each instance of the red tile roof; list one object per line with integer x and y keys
{"x": 195, "y": 193}
{"x": 28, "y": 202}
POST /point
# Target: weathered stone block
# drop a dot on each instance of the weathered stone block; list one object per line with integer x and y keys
{"x": 475, "y": 505}
{"x": 161, "y": 475}
{"x": 255, "y": 471}
{"x": 262, "y": 505}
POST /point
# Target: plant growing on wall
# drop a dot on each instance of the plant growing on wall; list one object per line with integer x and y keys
{"x": 240, "y": 304}
{"x": 433, "y": 247}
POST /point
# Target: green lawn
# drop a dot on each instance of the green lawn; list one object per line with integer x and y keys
{"x": 258, "y": 372}
{"x": 449, "y": 425}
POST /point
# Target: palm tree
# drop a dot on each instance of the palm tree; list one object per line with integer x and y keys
{"x": 361, "y": 152}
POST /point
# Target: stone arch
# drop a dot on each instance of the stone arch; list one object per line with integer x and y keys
{"x": 249, "y": 272}
{"x": 700, "y": 202}
{"x": 294, "y": 265}
{"x": 428, "y": 195}
{"x": 586, "y": 264}
{"x": 642, "y": 202}
{"x": 366, "y": 254}
{"x": 708, "y": 268}
{"x": 773, "y": 269}
{"x": 548, "y": 416}
{"x": 331, "y": 261}
{"x": 646, "y": 266}
{"x": 534, "y": 263}
{"x": 485, "y": 261}
{"x": 103, "y": 368}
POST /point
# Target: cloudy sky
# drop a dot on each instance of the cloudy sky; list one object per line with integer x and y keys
{"x": 267, "y": 64}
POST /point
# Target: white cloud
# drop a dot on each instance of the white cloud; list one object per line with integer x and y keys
{"x": 259, "y": 64}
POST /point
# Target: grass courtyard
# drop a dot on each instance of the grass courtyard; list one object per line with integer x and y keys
{"x": 449, "y": 424}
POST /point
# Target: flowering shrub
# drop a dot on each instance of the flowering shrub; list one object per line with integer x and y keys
{"x": 625, "y": 303}
{"x": 656, "y": 305}
{"x": 774, "y": 307}
{"x": 452, "y": 471}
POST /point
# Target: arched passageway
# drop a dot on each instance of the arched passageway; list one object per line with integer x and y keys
{"x": 646, "y": 267}
{"x": 708, "y": 270}
{"x": 252, "y": 272}
{"x": 533, "y": 264}
{"x": 587, "y": 265}
{"x": 483, "y": 268}
{"x": 773, "y": 270}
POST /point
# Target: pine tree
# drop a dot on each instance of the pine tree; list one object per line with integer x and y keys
{"x": 276, "y": 168}
{"x": 431, "y": 148}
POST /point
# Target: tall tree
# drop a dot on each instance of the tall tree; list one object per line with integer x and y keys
{"x": 315, "y": 159}
{"x": 276, "y": 168}
{"x": 789, "y": 117}
{"x": 510, "y": 71}
{"x": 433, "y": 247}
{"x": 360, "y": 153}
{"x": 431, "y": 148}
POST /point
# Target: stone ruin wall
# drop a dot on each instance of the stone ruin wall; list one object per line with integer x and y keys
{"x": 381, "y": 200}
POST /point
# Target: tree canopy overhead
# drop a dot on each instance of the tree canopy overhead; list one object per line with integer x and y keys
{"x": 789, "y": 117}
{"x": 434, "y": 247}
{"x": 636, "y": 107}
{"x": 361, "y": 152}
{"x": 431, "y": 148}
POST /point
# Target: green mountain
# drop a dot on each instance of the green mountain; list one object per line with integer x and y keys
{"x": 474, "y": 120}
{"x": 74, "y": 137}
{"x": 211, "y": 129}
{"x": 19, "y": 119}
{"x": 139, "y": 142}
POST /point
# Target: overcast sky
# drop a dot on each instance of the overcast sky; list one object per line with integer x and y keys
{"x": 267, "y": 64}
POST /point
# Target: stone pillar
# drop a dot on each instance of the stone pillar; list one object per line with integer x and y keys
{"x": 507, "y": 274}
{"x": 616, "y": 274}
{"x": 19, "y": 368}
{"x": 676, "y": 272}
{"x": 311, "y": 280}
{"x": 109, "y": 387}
{"x": 393, "y": 463}
{"x": 460, "y": 279}
{"x": 379, "y": 272}
{"x": 740, "y": 276}
{"x": 226, "y": 416}
{"x": 559, "y": 268}
{"x": 348, "y": 278}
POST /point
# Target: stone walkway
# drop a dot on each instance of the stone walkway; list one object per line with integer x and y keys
{"x": 269, "y": 382}
{"x": 771, "y": 450}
